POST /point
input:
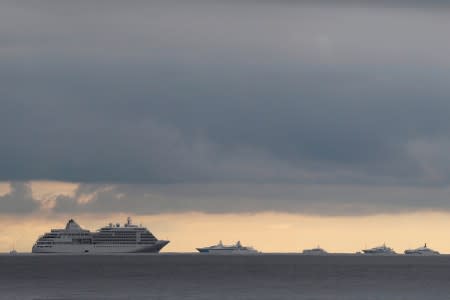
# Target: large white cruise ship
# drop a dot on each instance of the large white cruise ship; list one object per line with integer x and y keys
{"x": 231, "y": 249}
{"x": 109, "y": 239}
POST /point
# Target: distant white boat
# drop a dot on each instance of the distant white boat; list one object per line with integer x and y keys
{"x": 380, "y": 250}
{"x": 13, "y": 252}
{"x": 314, "y": 251}
{"x": 220, "y": 248}
{"x": 421, "y": 251}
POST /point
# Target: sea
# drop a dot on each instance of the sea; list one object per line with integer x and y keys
{"x": 198, "y": 276}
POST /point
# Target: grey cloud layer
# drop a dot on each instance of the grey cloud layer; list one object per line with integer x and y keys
{"x": 247, "y": 198}
{"x": 194, "y": 92}
{"x": 19, "y": 200}
{"x": 315, "y": 199}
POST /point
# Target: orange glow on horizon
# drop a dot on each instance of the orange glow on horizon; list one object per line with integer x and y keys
{"x": 268, "y": 232}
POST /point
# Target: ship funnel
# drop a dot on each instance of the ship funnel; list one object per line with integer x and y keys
{"x": 72, "y": 225}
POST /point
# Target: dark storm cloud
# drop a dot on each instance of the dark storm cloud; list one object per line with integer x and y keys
{"x": 214, "y": 92}
{"x": 312, "y": 199}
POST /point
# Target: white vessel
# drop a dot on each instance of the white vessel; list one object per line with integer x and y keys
{"x": 231, "y": 249}
{"x": 109, "y": 239}
{"x": 421, "y": 251}
{"x": 314, "y": 251}
{"x": 380, "y": 250}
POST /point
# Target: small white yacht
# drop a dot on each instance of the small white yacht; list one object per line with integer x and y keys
{"x": 220, "y": 248}
{"x": 314, "y": 251}
{"x": 380, "y": 250}
{"x": 422, "y": 251}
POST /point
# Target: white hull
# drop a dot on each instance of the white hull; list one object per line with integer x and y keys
{"x": 379, "y": 254}
{"x": 424, "y": 253}
{"x": 78, "y": 249}
{"x": 229, "y": 251}
{"x": 314, "y": 253}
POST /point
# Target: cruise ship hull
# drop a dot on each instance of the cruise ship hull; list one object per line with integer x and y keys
{"x": 101, "y": 249}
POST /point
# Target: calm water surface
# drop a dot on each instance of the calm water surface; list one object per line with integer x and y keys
{"x": 189, "y": 276}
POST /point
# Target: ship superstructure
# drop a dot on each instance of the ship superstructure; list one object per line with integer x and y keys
{"x": 128, "y": 238}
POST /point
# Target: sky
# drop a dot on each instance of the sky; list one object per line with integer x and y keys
{"x": 227, "y": 119}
